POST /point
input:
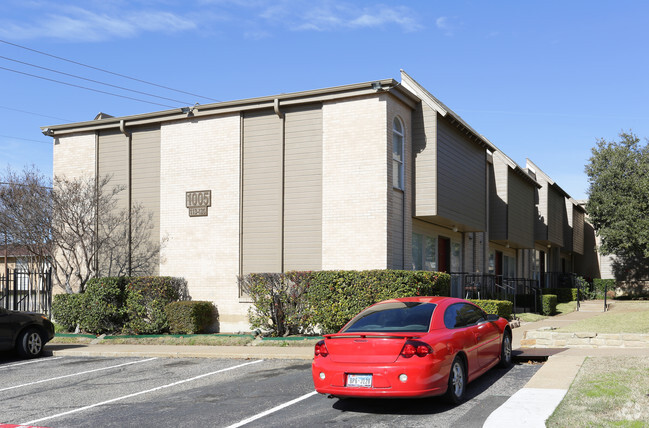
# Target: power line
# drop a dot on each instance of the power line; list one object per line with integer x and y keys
{"x": 35, "y": 114}
{"x": 83, "y": 87}
{"x": 25, "y": 139}
{"x": 93, "y": 81}
{"x": 106, "y": 71}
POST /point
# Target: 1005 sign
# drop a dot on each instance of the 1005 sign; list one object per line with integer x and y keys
{"x": 197, "y": 202}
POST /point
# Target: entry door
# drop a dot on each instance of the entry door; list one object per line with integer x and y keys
{"x": 444, "y": 252}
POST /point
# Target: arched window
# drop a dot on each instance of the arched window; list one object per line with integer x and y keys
{"x": 397, "y": 153}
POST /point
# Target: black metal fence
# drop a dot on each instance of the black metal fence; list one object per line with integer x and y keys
{"x": 522, "y": 292}
{"x": 26, "y": 291}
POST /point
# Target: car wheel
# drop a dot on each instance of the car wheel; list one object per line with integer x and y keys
{"x": 30, "y": 343}
{"x": 456, "y": 382}
{"x": 506, "y": 351}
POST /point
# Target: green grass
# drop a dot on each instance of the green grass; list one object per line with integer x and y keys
{"x": 607, "y": 391}
{"x": 199, "y": 339}
{"x": 623, "y": 318}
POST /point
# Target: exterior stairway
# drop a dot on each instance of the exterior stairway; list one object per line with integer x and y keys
{"x": 592, "y": 306}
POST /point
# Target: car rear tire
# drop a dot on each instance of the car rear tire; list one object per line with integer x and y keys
{"x": 456, "y": 382}
{"x": 30, "y": 343}
{"x": 506, "y": 351}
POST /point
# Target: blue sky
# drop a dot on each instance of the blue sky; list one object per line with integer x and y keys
{"x": 542, "y": 80}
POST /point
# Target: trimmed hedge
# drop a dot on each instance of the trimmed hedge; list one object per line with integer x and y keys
{"x": 548, "y": 304}
{"x": 334, "y": 297}
{"x": 599, "y": 285}
{"x": 564, "y": 295}
{"x": 146, "y": 298}
{"x": 111, "y": 305}
{"x": 502, "y": 308}
{"x": 66, "y": 310}
{"x": 102, "y": 305}
{"x": 189, "y": 317}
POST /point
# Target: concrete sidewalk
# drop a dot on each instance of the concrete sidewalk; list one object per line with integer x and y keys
{"x": 182, "y": 351}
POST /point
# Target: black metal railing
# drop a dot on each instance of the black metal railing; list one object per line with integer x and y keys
{"x": 26, "y": 291}
{"x": 522, "y": 292}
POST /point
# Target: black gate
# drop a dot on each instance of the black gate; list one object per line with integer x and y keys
{"x": 26, "y": 291}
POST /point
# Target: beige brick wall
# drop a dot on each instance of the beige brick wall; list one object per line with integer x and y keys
{"x": 400, "y": 206}
{"x": 74, "y": 155}
{"x": 196, "y": 155}
{"x": 354, "y": 184}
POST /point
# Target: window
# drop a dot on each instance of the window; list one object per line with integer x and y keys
{"x": 397, "y": 154}
{"x": 424, "y": 255}
{"x": 463, "y": 315}
{"x": 396, "y": 316}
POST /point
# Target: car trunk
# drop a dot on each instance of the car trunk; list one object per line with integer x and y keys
{"x": 365, "y": 348}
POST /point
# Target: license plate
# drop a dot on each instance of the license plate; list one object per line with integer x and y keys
{"x": 359, "y": 380}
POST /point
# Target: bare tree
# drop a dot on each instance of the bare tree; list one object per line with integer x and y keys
{"x": 25, "y": 215}
{"x": 78, "y": 227}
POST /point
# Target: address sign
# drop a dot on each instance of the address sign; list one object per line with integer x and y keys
{"x": 197, "y": 202}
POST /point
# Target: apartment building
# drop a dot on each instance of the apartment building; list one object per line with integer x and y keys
{"x": 372, "y": 175}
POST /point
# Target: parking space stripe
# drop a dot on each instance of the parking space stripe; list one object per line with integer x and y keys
{"x": 180, "y": 382}
{"x": 273, "y": 410}
{"x": 75, "y": 374}
{"x": 40, "y": 360}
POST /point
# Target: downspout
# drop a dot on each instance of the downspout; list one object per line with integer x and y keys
{"x": 129, "y": 137}
{"x": 283, "y": 137}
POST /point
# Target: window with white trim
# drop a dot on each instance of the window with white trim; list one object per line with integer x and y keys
{"x": 397, "y": 153}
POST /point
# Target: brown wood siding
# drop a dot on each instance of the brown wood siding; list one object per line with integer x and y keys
{"x": 113, "y": 161}
{"x": 424, "y": 156}
{"x": 461, "y": 184}
{"x": 567, "y": 225}
{"x": 556, "y": 215}
{"x": 145, "y": 176}
{"x": 303, "y": 189}
{"x": 520, "y": 212}
{"x": 578, "y": 231}
{"x": 541, "y": 214}
{"x": 498, "y": 179}
{"x": 262, "y": 193}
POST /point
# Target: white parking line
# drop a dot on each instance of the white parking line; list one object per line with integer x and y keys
{"x": 75, "y": 374}
{"x": 273, "y": 410}
{"x": 81, "y": 409}
{"x": 40, "y": 360}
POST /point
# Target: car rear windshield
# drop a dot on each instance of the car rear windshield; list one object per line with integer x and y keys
{"x": 393, "y": 316}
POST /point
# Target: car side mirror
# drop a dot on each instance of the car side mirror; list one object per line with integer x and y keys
{"x": 492, "y": 317}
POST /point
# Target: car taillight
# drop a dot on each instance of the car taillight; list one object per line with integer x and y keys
{"x": 415, "y": 347}
{"x": 321, "y": 349}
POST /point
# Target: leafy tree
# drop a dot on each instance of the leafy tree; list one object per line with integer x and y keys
{"x": 618, "y": 205}
{"x": 76, "y": 226}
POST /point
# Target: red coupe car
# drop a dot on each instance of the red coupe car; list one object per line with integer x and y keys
{"x": 411, "y": 347}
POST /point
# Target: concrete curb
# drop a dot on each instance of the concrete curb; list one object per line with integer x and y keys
{"x": 181, "y": 351}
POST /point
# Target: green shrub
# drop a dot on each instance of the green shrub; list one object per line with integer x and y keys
{"x": 279, "y": 302}
{"x": 66, "y": 310}
{"x": 600, "y": 285}
{"x": 564, "y": 295}
{"x": 548, "y": 304}
{"x": 188, "y": 317}
{"x": 502, "y": 308}
{"x": 334, "y": 297}
{"x": 146, "y": 298}
{"x": 102, "y": 305}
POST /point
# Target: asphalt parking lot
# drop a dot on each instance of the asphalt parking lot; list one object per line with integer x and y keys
{"x": 160, "y": 392}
